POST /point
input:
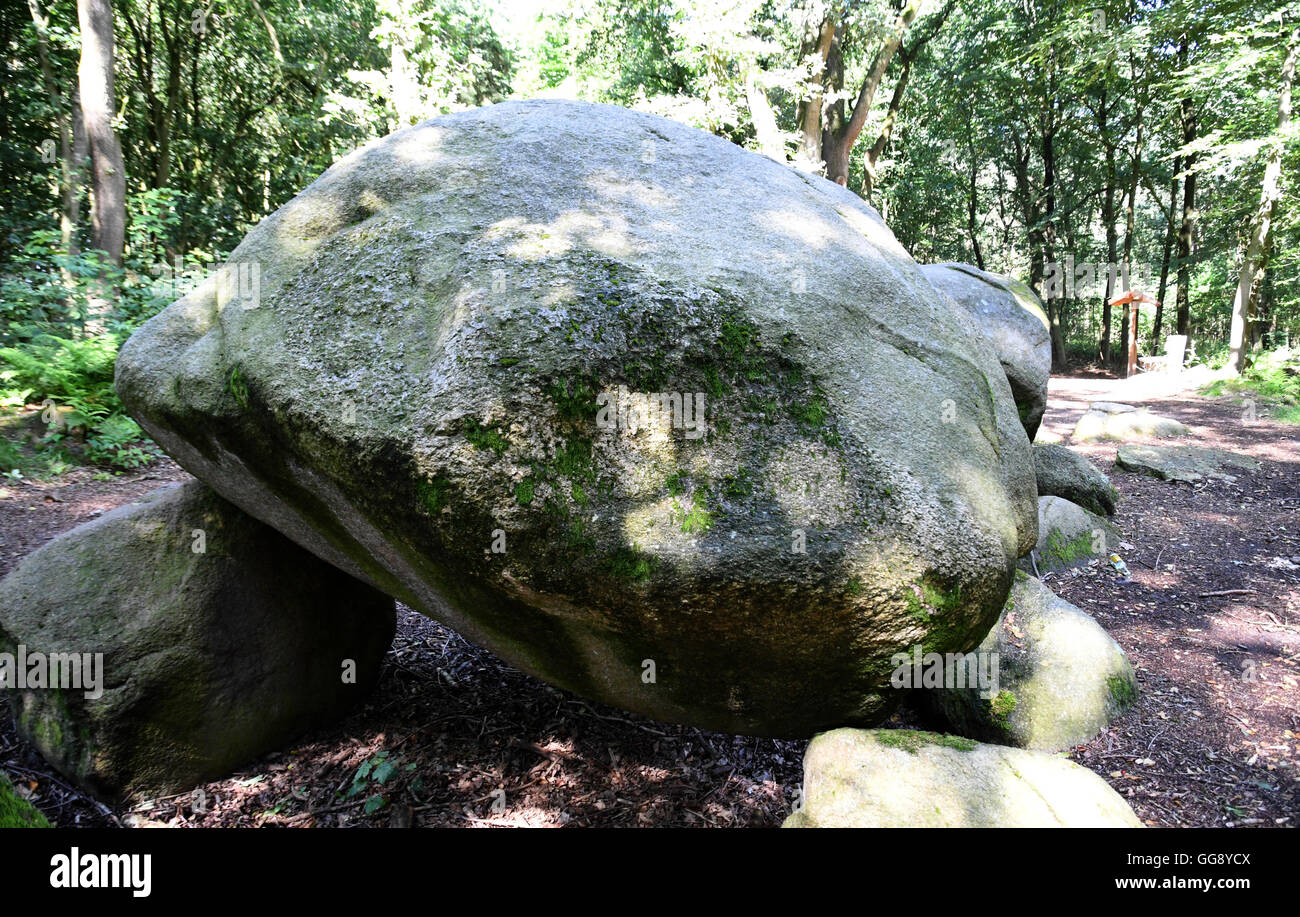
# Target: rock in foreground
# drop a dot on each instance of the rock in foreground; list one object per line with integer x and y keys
{"x": 1069, "y": 536}
{"x": 1012, "y": 316}
{"x": 1106, "y": 420}
{"x": 1061, "y": 678}
{"x": 1187, "y": 464}
{"x": 1066, "y": 474}
{"x": 894, "y": 778}
{"x": 441, "y": 385}
{"x": 220, "y": 640}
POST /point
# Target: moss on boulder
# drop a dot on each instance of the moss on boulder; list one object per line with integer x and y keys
{"x": 1068, "y": 536}
{"x": 1061, "y": 677}
{"x": 869, "y": 778}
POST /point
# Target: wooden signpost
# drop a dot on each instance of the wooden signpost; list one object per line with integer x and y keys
{"x": 1133, "y": 298}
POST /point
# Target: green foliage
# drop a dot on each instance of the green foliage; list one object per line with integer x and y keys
{"x": 65, "y": 370}
{"x": 1272, "y": 378}
{"x": 13, "y": 463}
{"x": 118, "y": 441}
{"x": 72, "y": 380}
{"x": 375, "y": 777}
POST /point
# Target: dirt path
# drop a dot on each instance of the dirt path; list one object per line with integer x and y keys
{"x": 1212, "y": 740}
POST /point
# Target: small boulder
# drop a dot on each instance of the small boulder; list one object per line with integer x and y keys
{"x": 1066, "y": 474}
{"x": 1069, "y": 536}
{"x": 895, "y": 778}
{"x": 1188, "y": 464}
{"x": 1060, "y": 676}
{"x": 202, "y": 639}
{"x": 1012, "y": 316}
{"x": 1106, "y": 420}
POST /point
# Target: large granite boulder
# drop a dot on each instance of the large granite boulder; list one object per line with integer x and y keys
{"x": 191, "y": 639}
{"x": 1067, "y": 474}
{"x": 1010, "y": 313}
{"x": 441, "y": 384}
{"x": 898, "y": 778}
{"x": 1060, "y": 677}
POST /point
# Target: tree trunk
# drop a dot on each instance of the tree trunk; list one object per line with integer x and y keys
{"x": 841, "y": 132}
{"x": 1270, "y": 193}
{"x": 108, "y": 215}
{"x": 1130, "y": 225}
{"x": 163, "y": 169}
{"x": 108, "y": 174}
{"x": 69, "y": 164}
{"x": 972, "y": 204}
{"x": 1049, "y": 234}
{"x": 1185, "y": 231}
{"x": 1164, "y": 261}
{"x": 1108, "y": 220}
{"x": 877, "y": 148}
{"x": 816, "y": 49}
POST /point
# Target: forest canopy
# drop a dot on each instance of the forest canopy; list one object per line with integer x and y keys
{"x": 1083, "y": 147}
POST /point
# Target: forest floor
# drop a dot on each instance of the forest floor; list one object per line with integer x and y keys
{"x": 1210, "y": 619}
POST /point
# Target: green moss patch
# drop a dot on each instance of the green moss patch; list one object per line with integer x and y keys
{"x": 1001, "y": 707}
{"x": 631, "y": 563}
{"x": 913, "y": 740}
{"x": 16, "y": 812}
{"x": 1122, "y": 691}
{"x": 237, "y": 386}
{"x": 488, "y": 438}
{"x": 574, "y": 399}
{"x": 697, "y": 518}
{"x": 1065, "y": 552}
{"x": 433, "y": 493}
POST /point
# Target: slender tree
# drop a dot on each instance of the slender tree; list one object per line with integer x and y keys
{"x": 1252, "y": 264}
